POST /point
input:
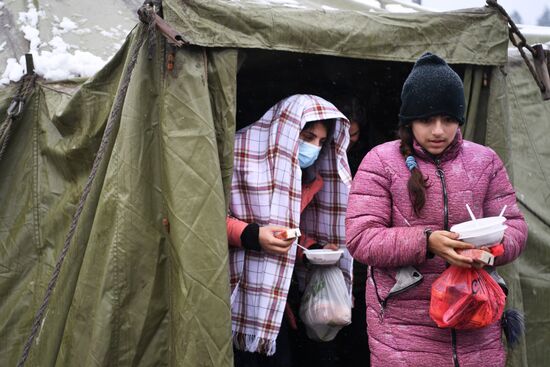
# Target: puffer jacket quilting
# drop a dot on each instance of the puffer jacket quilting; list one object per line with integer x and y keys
{"x": 383, "y": 231}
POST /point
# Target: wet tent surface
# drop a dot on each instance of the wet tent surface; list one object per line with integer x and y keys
{"x": 130, "y": 294}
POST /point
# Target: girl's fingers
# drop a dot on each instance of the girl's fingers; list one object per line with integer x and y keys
{"x": 282, "y": 243}
{"x": 274, "y": 229}
{"x": 277, "y": 242}
{"x": 331, "y": 246}
{"x": 455, "y": 259}
{"x": 277, "y": 250}
{"x": 460, "y": 258}
{"x": 461, "y": 245}
{"x": 450, "y": 246}
{"x": 452, "y": 235}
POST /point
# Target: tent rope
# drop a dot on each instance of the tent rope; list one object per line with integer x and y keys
{"x": 14, "y": 110}
{"x": 113, "y": 118}
{"x": 515, "y": 34}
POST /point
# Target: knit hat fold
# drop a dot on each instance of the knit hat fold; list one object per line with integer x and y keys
{"x": 432, "y": 88}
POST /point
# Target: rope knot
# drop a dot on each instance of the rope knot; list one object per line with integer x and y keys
{"x": 146, "y": 13}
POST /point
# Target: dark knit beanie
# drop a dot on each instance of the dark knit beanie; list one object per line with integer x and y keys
{"x": 432, "y": 88}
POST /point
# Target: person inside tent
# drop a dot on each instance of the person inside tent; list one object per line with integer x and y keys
{"x": 357, "y": 147}
{"x": 350, "y": 347}
{"x": 290, "y": 171}
{"x": 352, "y": 342}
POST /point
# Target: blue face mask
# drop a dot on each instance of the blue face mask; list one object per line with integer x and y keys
{"x": 307, "y": 154}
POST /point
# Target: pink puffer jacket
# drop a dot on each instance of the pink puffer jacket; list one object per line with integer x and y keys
{"x": 383, "y": 232}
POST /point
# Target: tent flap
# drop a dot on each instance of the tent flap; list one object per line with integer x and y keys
{"x": 343, "y": 28}
{"x": 129, "y": 292}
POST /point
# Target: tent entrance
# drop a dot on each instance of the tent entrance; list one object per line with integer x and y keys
{"x": 266, "y": 76}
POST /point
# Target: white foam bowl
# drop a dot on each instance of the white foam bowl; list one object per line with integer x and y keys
{"x": 323, "y": 257}
{"x": 489, "y": 236}
{"x": 478, "y": 226}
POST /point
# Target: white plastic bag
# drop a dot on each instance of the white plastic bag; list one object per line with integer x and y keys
{"x": 326, "y": 303}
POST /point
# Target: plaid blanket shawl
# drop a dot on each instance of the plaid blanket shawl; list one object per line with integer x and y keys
{"x": 266, "y": 189}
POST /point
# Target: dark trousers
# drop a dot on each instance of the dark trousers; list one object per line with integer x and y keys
{"x": 353, "y": 338}
{"x": 350, "y": 348}
{"x": 281, "y": 358}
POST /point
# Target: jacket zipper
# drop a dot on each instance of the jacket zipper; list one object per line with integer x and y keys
{"x": 439, "y": 172}
{"x": 383, "y": 302}
{"x": 453, "y": 341}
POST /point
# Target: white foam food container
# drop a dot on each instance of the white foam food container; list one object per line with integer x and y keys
{"x": 478, "y": 226}
{"x": 487, "y": 237}
{"x": 323, "y": 257}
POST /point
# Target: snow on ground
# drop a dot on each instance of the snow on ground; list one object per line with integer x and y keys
{"x": 54, "y": 59}
{"x": 66, "y": 25}
{"x": 533, "y": 29}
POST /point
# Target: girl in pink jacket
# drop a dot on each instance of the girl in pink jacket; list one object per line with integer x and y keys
{"x": 404, "y": 198}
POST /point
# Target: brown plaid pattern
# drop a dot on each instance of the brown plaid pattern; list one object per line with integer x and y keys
{"x": 266, "y": 189}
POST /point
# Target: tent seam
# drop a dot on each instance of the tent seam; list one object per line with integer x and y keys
{"x": 116, "y": 276}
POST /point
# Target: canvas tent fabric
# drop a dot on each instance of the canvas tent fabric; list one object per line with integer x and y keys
{"x": 342, "y": 28}
{"x": 129, "y": 292}
{"x": 529, "y": 122}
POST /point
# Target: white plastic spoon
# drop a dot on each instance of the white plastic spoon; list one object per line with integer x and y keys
{"x": 302, "y": 247}
{"x": 471, "y": 214}
{"x": 502, "y": 211}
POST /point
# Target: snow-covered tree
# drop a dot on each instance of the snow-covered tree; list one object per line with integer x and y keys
{"x": 516, "y": 17}
{"x": 544, "y": 19}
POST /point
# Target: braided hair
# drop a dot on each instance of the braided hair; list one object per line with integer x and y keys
{"x": 417, "y": 184}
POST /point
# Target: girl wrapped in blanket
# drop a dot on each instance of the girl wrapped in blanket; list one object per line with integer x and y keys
{"x": 290, "y": 171}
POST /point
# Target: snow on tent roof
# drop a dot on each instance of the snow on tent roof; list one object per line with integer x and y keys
{"x": 75, "y": 39}
{"x": 68, "y": 39}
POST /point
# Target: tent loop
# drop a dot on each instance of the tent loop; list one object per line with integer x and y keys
{"x": 147, "y": 14}
{"x": 518, "y": 39}
{"x": 15, "y": 109}
{"x": 112, "y": 122}
{"x": 542, "y": 67}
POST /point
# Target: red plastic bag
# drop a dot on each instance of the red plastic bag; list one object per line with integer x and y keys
{"x": 466, "y": 298}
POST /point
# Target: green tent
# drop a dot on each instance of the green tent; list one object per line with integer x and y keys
{"x": 527, "y": 128}
{"x": 129, "y": 292}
